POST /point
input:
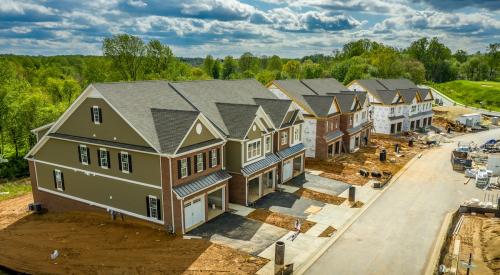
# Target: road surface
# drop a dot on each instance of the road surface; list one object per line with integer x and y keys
{"x": 396, "y": 234}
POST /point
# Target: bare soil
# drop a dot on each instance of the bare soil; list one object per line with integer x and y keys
{"x": 346, "y": 166}
{"x": 328, "y": 232}
{"x": 357, "y": 204}
{"x": 480, "y": 236}
{"x": 90, "y": 243}
{"x": 280, "y": 220}
{"x": 327, "y": 198}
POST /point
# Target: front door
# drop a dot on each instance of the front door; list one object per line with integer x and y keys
{"x": 287, "y": 170}
{"x": 194, "y": 212}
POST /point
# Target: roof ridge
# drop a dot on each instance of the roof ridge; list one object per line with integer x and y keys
{"x": 303, "y": 83}
{"x": 381, "y": 83}
{"x": 174, "y": 110}
{"x": 238, "y": 104}
{"x": 130, "y": 81}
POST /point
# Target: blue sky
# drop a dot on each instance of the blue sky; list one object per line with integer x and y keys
{"x": 290, "y": 28}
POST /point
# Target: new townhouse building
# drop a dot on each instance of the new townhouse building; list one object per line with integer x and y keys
{"x": 155, "y": 151}
{"x": 397, "y": 105}
{"x": 336, "y": 119}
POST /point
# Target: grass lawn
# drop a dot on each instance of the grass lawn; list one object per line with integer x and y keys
{"x": 13, "y": 189}
{"x": 471, "y": 93}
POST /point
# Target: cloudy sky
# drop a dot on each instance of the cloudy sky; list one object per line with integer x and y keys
{"x": 290, "y": 28}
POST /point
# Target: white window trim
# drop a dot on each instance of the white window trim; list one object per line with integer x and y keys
{"x": 59, "y": 182}
{"x": 184, "y": 161}
{"x": 100, "y": 158}
{"x": 95, "y": 114}
{"x": 128, "y": 162}
{"x": 268, "y": 150}
{"x": 155, "y": 209}
{"x": 283, "y": 140}
{"x": 259, "y": 149}
{"x": 199, "y": 157}
{"x": 214, "y": 158}
{"x": 83, "y": 148}
{"x": 296, "y": 140}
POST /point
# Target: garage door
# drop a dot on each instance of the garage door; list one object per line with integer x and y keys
{"x": 287, "y": 170}
{"x": 194, "y": 212}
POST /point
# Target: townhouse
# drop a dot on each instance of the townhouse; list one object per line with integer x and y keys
{"x": 398, "y": 105}
{"x": 135, "y": 148}
{"x": 264, "y": 134}
{"x": 336, "y": 119}
{"x": 169, "y": 153}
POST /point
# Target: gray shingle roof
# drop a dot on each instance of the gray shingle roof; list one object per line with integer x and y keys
{"x": 296, "y": 90}
{"x": 205, "y": 94}
{"x": 283, "y": 154}
{"x": 358, "y": 128}
{"x": 346, "y": 102}
{"x": 386, "y": 89}
{"x": 320, "y": 104}
{"x": 333, "y": 135}
{"x": 324, "y": 86}
{"x": 134, "y": 100}
{"x": 275, "y": 108}
{"x": 252, "y": 168}
{"x": 201, "y": 183}
{"x": 408, "y": 95}
{"x": 171, "y": 127}
{"x": 237, "y": 118}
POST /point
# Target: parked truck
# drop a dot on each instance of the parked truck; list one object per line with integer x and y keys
{"x": 460, "y": 160}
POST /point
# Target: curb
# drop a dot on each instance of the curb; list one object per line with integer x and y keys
{"x": 348, "y": 224}
{"x": 432, "y": 261}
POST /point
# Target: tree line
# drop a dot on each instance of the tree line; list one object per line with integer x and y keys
{"x": 35, "y": 90}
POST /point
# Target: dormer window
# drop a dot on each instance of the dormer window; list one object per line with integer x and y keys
{"x": 253, "y": 149}
{"x": 96, "y": 114}
{"x": 284, "y": 137}
{"x": 268, "y": 144}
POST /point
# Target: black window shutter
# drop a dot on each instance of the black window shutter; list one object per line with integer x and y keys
{"x": 204, "y": 161}
{"x": 195, "y": 163}
{"x": 189, "y": 166}
{"x": 129, "y": 163}
{"x": 88, "y": 155}
{"x": 158, "y": 208}
{"x": 92, "y": 114}
{"x": 120, "y": 161}
{"x": 109, "y": 160}
{"x": 99, "y": 157}
{"x": 62, "y": 181}
{"x": 210, "y": 158}
{"x": 79, "y": 154}
{"x": 147, "y": 206}
{"x": 55, "y": 181}
{"x": 179, "y": 173}
{"x": 100, "y": 115}
{"x": 218, "y": 156}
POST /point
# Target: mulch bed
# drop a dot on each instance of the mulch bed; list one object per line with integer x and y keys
{"x": 280, "y": 220}
{"x": 357, "y": 204}
{"x": 328, "y": 232}
{"x": 326, "y": 198}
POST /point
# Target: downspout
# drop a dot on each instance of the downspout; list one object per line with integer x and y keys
{"x": 171, "y": 193}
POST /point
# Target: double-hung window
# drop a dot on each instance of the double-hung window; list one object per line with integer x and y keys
{"x": 84, "y": 154}
{"x": 199, "y": 162}
{"x": 96, "y": 114}
{"x": 214, "y": 157}
{"x": 184, "y": 168}
{"x": 125, "y": 162}
{"x": 392, "y": 110}
{"x": 296, "y": 134}
{"x": 253, "y": 149}
{"x": 153, "y": 207}
{"x": 58, "y": 180}
{"x": 268, "y": 144}
{"x": 284, "y": 137}
{"x": 103, "y": 156}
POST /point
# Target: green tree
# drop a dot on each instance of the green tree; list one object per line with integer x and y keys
{"x": 208, "y": 66}
{"x": 217, "y": 70}
{"x": 248, "y": 62}
{"x": 127, "y": 53}
{"x": 229, "y": 67}
{"x": 460, "y": 56}
{"x": 274, "y": 63}
{"x": 493, "y": 58}
{"x": 310, "y": 70}
{"x": 158, "y": 57}
{"x": 265, "y": 76}
{"x": 292, "y": 69}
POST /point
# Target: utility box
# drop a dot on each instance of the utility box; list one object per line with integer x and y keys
{"x": 494, "y": 164}
{"x": 470, "y": 120}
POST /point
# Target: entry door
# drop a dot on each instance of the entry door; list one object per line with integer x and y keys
{"x": 287, "y": 170}
{"x": 194, "y": 212}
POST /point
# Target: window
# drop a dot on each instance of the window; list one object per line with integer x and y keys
{"x": 284, "y": 137}
{"x": 199, "y": 162}
{"x": 268, "y": 144}
{"x": 253, "y": 149}
{"x": 103, "y": 158}
{"x": 96, "y": 114}
{"x": 153, "y": 207}
{"x": 125, "y": 162}
{"x": 296, "y": 134}
{"x": 350, "y": 120}
{"x": 58, "y": 180}
{"x": 213, "y": 158}
{"x": 363, "y": 115}
{"x": 413, "y": 107}
{"x": 392, "y": 110}
{"x": 183, "y": 168}
{"x": 83, "y": 152}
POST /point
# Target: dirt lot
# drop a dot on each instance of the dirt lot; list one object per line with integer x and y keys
{"x": 280, "y": 220}
{"x": 328, "y": 232}
{"x": 90, "y": 243}
{"x": 326, "y": 198}
{"x": 346, "y": 166}
{"x": 445, "y": 114}
{"x": 480, "y": 236}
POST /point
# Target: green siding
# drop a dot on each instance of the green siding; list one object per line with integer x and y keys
{"x": 232, "y": 157}
{"x": 145, "y": 167}
{"x": 80, "y": 124}
{"x": 254, "y": 134}
{"x": 119, "y": 194}
{"x": 194, "y": 138}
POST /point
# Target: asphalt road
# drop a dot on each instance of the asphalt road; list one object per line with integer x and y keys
{"x": 396, "y": 234}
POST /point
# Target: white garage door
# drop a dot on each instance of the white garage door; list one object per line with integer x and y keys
{"x": 194, "y": 212}
{"x": 287, "y": 170}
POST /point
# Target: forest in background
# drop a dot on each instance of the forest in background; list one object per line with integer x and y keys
{"x": 35, "y": 90}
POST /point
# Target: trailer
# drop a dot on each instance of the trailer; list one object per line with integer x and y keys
{"x": 460, "y": 160}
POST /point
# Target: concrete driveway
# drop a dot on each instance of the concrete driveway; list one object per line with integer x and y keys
{"x": 287, "y": 203}
{"x": 319, "y": 184}
{"x": 240, "y": 233}
{"x": 397, "y": 233}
